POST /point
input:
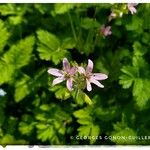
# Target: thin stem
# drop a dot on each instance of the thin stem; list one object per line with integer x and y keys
{"x": 72, "y": 27}
{"x": 76, "y": 94}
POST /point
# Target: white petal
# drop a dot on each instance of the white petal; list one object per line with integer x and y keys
{"x": 55, "y": 72}
{"x": 81, "y": 70}
{"x": 89, "y": 67}
{"x": 58, "y": 80}
{"x": 66, "y": 65}
{"x": 99, "y": 76}
{"x": 88, "y": 85}
{"x": 92, "y": 80}
{"x": 72, "y": 70}
{"x": 69, "y": 84}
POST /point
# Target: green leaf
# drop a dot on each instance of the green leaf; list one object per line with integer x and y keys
{"x": 126, "y": 81}
{"x": 46, "y": 133}
{"x": 141, "y": 92}
{"x": 19, "y": 55}
{"x": 4, "y": 35}
{"x": 95, "y": 131}
{"x": 139, "y": 62}
{"x": 130, "y": 73}
{"x": 63, "y": 8}
{"x": 88, "y": 23}
{"x": 85, "y": 121}
{"x": 41, "y": 126}
{"x": 135, "y": 24}
{"x": 62, "y": 93}
{"x": 83, "y": 97}
{"x": 25, "y": 128}
{"x": 45, "y": 107}
{"x": 84, "y": 130}
{"x": 15, "y": 20}
{"x": 139, "y": 50}
{"x": 58, "y": 55}
{"x": 40, "y": 117}
{"x": 82, "y": 113}
{"x": 68, "y": 43}
{"x": 9, "y": 139}
{"x": 87, "y": 99}
{"x": 7, "y": 9}
{"x": 22, "y": 88}
{"x": 49, "y": 47}
{"x": 76, "y": 96}
{"x": 89, "y": 130}
{"x": 106, "y": 114}
{"x": 7, "y": 73}
{"x": 47, "y": 40}
{"x": 125, "y": 133}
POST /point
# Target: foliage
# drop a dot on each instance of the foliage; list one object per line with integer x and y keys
{"x": 35, "y": 37}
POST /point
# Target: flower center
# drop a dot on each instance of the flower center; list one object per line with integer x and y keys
{"x": 66, "y": 75}
{"x": 88, "y": 75}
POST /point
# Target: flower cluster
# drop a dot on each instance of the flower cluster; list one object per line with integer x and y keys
{"x": 128, "y": 7}
{"x": 77, "y": 75}
{"x": 131, "y": 7}
{"x": 105, "y": 30}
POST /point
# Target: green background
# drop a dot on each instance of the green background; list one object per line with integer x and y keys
{"x": 34, "y": 37}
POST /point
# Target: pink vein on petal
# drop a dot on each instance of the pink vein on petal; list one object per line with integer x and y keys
{"x": 66, "y": 65}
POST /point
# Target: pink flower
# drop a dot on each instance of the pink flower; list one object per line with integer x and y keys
{"x": 92, "y": 77}
{"x": 131, "y": 7}
{"x": 65, "y": 74}
{"x": 106, "y": 30}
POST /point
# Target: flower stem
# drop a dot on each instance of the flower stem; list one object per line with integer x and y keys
{"x": 72, "y": 27}
{"x": 76, "y": 94}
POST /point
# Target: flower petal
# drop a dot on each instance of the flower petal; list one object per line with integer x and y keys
{"x": 66, "y": 65}
{"x": 99, "y": 76}
{"x": 69, "y": 84}
{"x": 131, "y": 7}
{"x": 89, "y": 67}
{"x": 108, "y": 31}
{"x": 55, "y": 72}
{"x": 88, "y": 85}
{"x": 132, "y": 10}
{"x": 92, "y": 80}
{"x": 81, "y": 70}
{"x": 105, "y": 30}
{"x": 58, "y": 80}
{"x": 72, "y": 70}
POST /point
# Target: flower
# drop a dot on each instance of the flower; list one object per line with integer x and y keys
{"x": 65, "y": 74}
{"x": 131, "y": 7}
{"x": 92, "y": 77}
{"x": 2, "y": 92}
{"x": 106, "y": 30}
